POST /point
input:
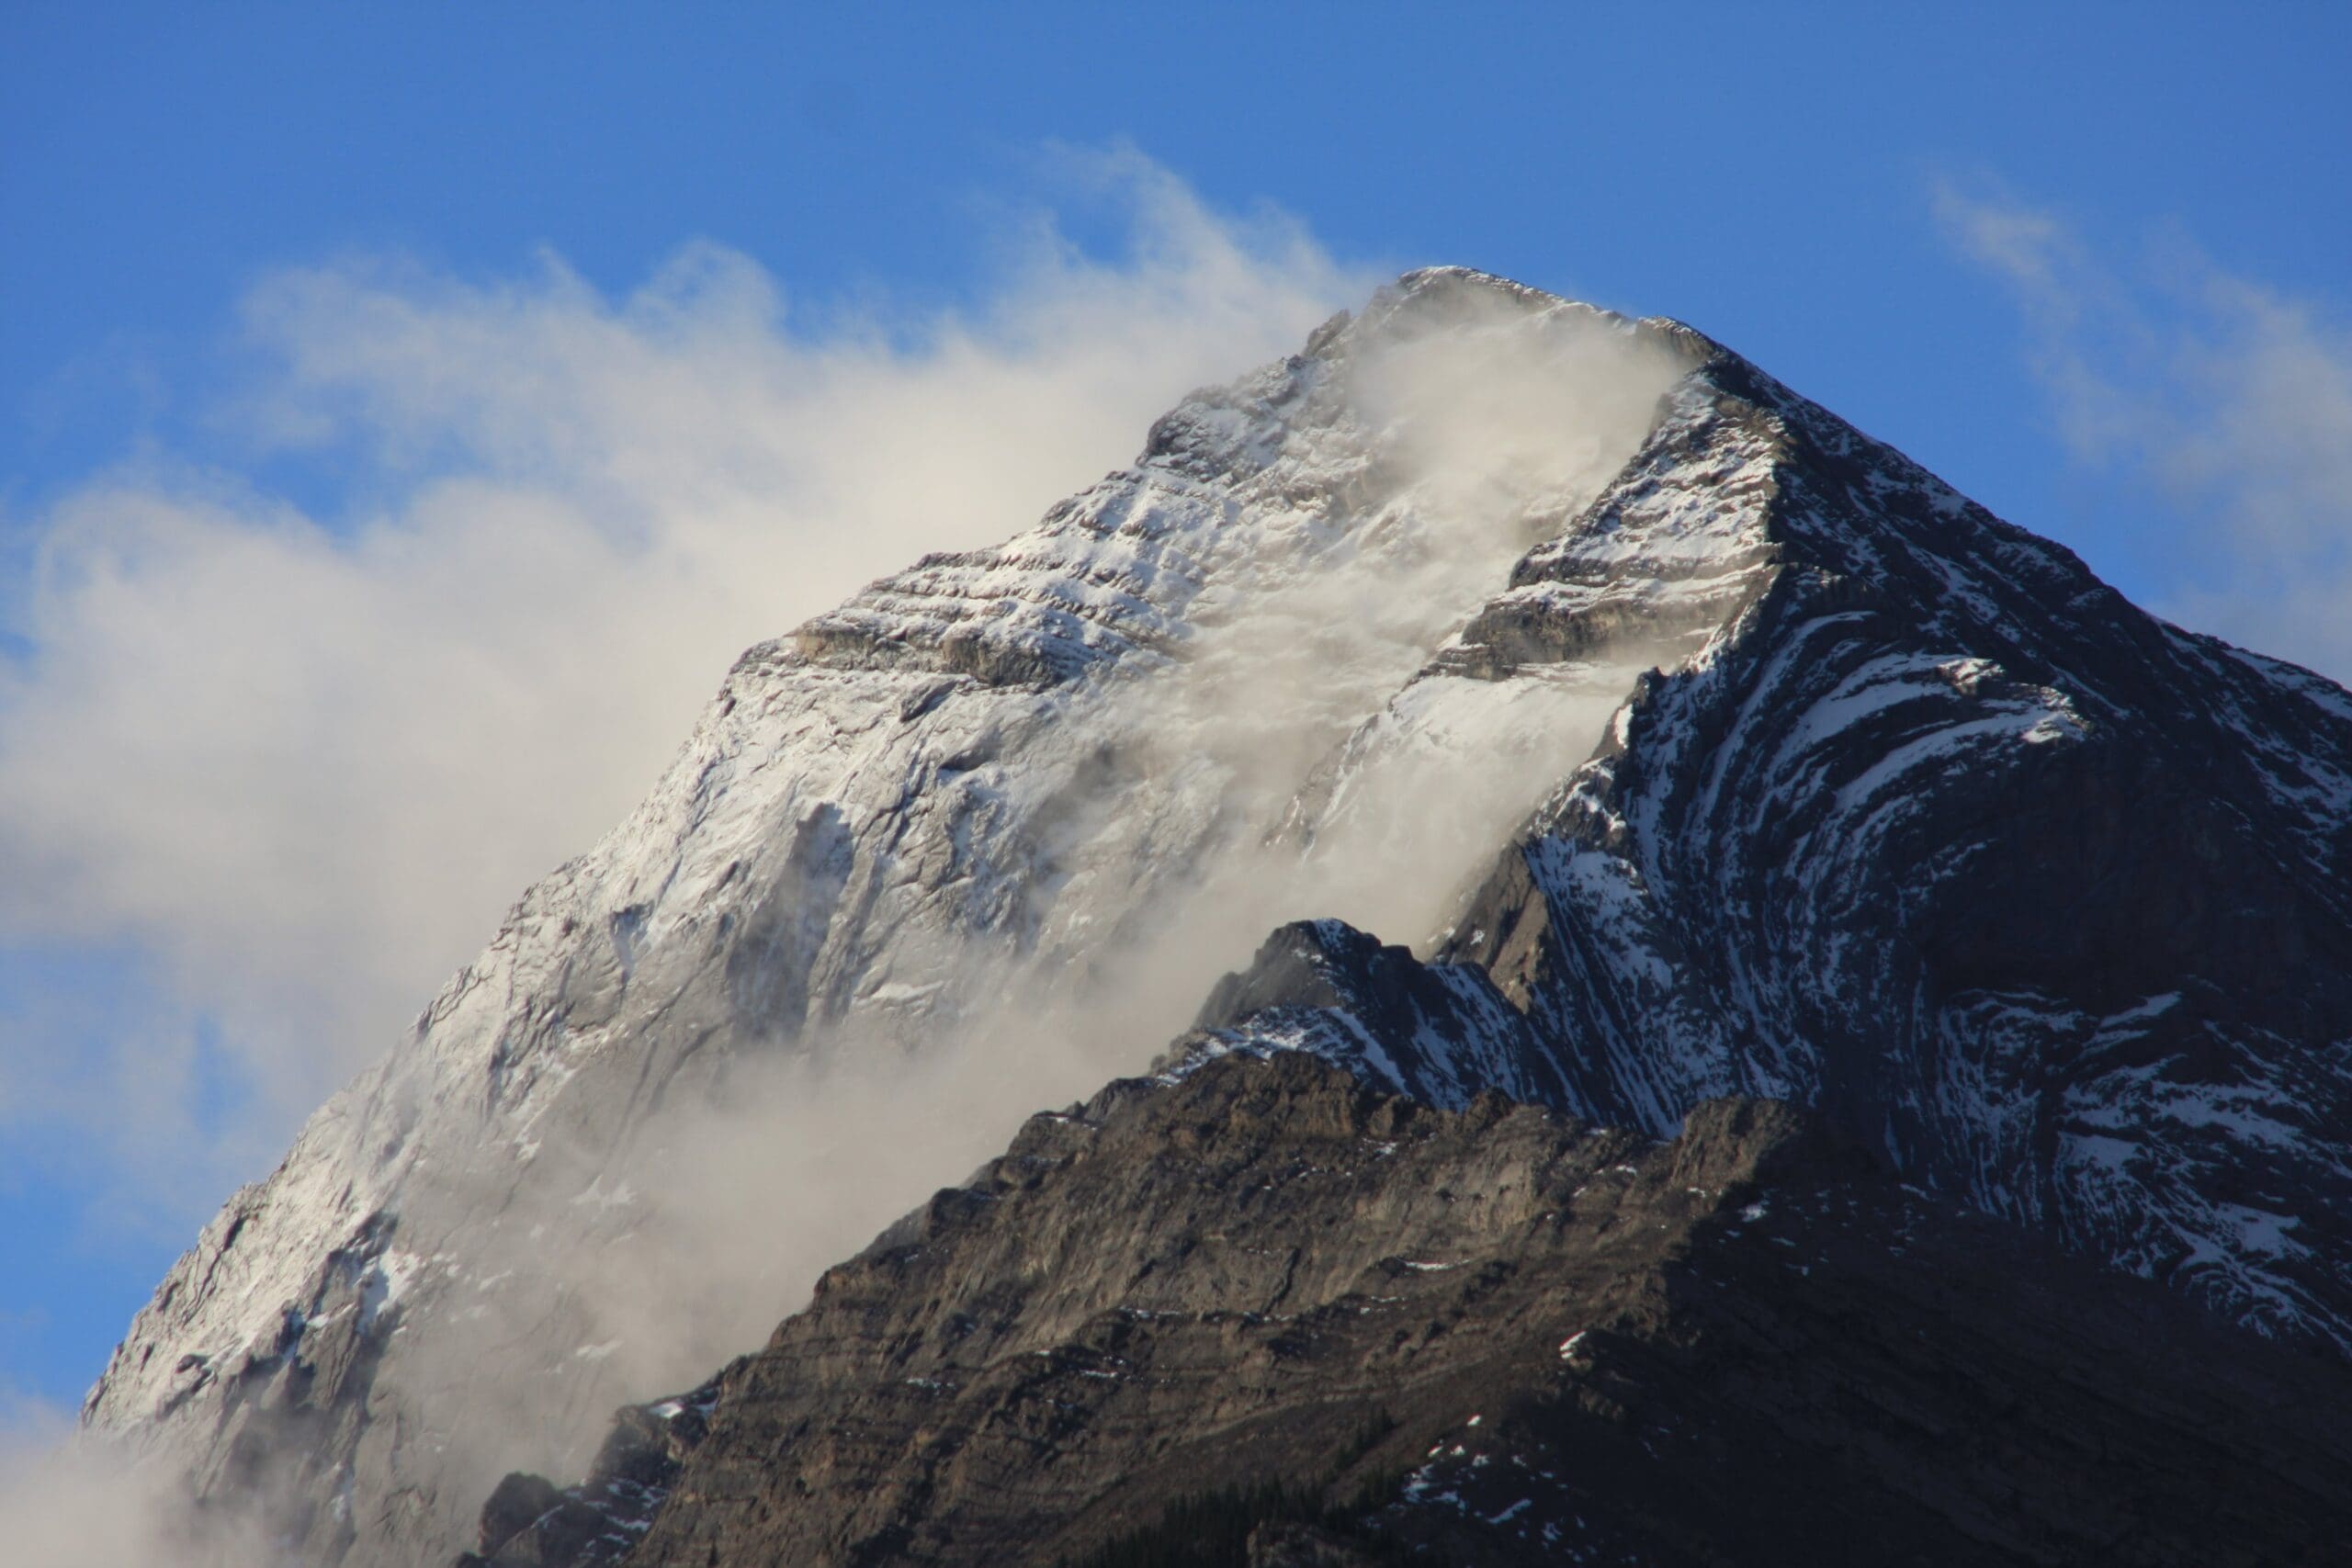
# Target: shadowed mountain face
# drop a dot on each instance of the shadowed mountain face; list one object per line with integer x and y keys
{"x": 2040, "y": 899}
{"x": 1492, "y": 1336}
{"x": 1710, "y": 750}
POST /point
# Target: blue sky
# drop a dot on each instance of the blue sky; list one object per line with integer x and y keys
{"x": 2087, "y": 262}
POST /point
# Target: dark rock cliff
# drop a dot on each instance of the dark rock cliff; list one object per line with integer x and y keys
{"x": 2045, "y": 902}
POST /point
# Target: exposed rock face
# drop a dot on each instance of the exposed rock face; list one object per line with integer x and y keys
{"x": 530, "y": 1522}
{"x": 2038, "y": 900}
{"x": 1001, "y": 772}
{"x": 1496, "y": 1335}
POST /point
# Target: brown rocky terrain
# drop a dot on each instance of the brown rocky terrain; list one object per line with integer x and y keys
{"x": 1266, "y": 1315}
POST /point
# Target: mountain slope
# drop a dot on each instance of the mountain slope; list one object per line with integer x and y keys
{"x": 1905, "y": 816}
{"x": 1495, "y": 1336}
{"x": 2038, "y": 899}
{"x": 1029, "y": 782}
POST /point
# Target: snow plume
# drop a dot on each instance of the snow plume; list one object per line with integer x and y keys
{"x": 1352, "y": 783}
{"x": 2234, "y": 400}
{"x": 295, "y": 765}
{"x": 1290, "y": 765}
{"x": 1283, "y": 757}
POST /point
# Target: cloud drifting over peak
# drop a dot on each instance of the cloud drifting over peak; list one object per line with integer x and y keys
{"x": 296, "y": 764}
{"x": 2232, "y": 399}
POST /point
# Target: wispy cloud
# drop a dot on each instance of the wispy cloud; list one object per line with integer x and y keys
{"x": 302, "y": 764}
{"x": 2231, "y": 399}
{"x": 66, "y": 1503}
{"x": 295, "y": 765}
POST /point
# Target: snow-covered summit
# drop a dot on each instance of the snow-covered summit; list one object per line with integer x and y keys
{"x": 1048, "y": 771}
{"x": 1807, "y": 775}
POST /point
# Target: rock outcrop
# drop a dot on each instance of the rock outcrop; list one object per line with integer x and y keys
{"x": 1342, "y": 1328}
{"x": 2045, "y": 902}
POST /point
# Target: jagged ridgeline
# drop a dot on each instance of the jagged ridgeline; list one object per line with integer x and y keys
{"x": 1702, "y": 747}
{"x": 1265, "y": 1316}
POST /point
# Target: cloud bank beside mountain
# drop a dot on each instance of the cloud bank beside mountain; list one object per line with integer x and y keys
{"x": 295, "y": 765}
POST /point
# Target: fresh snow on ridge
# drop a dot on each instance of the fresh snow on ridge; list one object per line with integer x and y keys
{"x": 2046, "y": 902}
{"x": 1895, "y": 810}
{"x": 1045, "y": 771}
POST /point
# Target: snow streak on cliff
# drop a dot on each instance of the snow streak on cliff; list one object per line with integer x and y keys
{"x": 975, "y": 840}
{"x": 1807, "y": 778}
{"x": 2047, "y": 902}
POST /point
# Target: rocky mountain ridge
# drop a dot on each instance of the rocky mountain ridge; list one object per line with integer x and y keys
{"x": 961, "y": 785}
{"x": 1493, "y": 1336}
{"x": 2040, "y": 898}
{"x": 2041, "y": 901}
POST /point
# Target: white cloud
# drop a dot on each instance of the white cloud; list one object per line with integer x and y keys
{"x": 299, "y": 765}
{"x": 306, "y": 767}
{"x": 2232, "y": 399}
{"x": 70, "y": 1503}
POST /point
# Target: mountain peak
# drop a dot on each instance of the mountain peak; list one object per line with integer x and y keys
{"x": 1706, "y": 747}
{"x": 1912, "y": 818}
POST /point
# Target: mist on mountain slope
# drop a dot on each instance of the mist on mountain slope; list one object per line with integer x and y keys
{"x": 728, "y": 1206}
{"x": 66, "y": 1503}
{"x": 294, "y": 764}
{"x": 741, "y": 1199}
{"x": 282, "y": 769}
